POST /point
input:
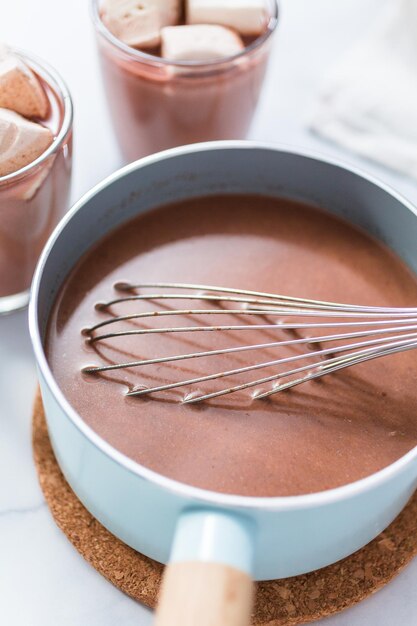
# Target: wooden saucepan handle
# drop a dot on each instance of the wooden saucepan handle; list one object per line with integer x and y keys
{"x": 208, "y": 580}
{"x": 204, "y": 594}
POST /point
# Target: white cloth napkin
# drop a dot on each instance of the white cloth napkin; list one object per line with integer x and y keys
{"x": 368, "y": 103}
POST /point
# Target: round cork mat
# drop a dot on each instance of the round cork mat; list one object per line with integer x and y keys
{"x": 283, "y": 602}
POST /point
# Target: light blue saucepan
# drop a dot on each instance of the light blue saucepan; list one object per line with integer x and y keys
{"x": 213, "y": 541}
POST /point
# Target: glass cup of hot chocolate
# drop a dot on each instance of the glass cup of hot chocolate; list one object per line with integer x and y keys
{"x": 180, "y": 72}
{"x": 35, "y": 167}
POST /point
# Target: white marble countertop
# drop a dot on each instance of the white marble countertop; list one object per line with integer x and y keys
{"x": 43, "y": 580}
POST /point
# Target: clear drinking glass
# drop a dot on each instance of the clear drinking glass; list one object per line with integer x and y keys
{"x": 157, "y": 104}
{"x": 33, "y": 199}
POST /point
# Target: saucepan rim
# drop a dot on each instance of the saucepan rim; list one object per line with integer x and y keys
{"x": 207, "y": 497}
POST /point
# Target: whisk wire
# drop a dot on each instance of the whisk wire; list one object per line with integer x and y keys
{"x": 392, "y": 330}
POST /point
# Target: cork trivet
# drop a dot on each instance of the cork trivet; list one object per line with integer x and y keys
{"x": 285, "y": 602}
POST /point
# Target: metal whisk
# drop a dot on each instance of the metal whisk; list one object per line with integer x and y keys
{"x": 343, "y": 335}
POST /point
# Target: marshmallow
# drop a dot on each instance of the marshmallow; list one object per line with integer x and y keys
{"x": 248, "y": 17}
{"x": 21, "y": 141}
{"x": 20, "y": 90}
{"x": 200, "y": 42}
{"x": 138, "y": 22}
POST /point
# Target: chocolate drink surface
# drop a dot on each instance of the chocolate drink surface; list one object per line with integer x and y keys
{"x": 317, "y": 436}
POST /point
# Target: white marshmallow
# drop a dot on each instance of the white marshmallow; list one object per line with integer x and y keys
{"x": 20, "y": 90}
{"x": 199, "y": 42}
{"x": 21, "y": 141}
{"x": 248, "y": 17}
{"x": 138, "y": 22}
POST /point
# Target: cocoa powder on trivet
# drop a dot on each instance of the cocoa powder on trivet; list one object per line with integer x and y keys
{"x": 283, "y": 602}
